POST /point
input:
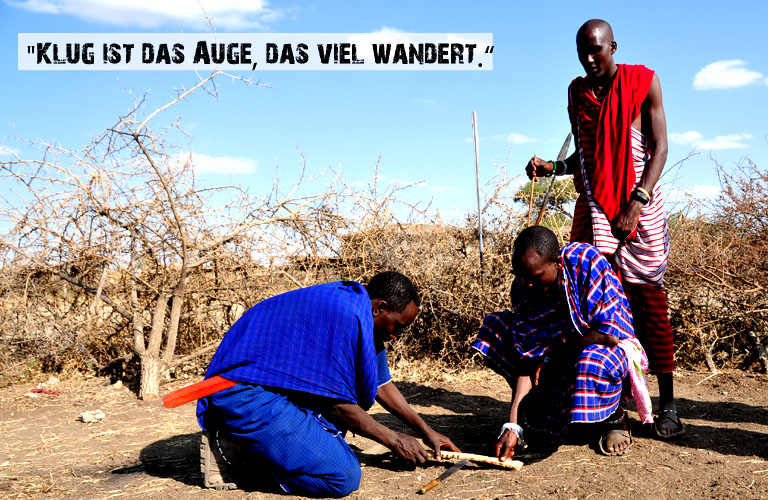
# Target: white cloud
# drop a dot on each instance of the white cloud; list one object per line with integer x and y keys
{"x": 733, "y": 141}
{"x": 703, "y": 191}
{"x": 696, "y": 139}
{"x": 513, "y": 138}
{"x": 725, "y": 75}
{"x": 364, "y": 41}
{"x": 224, "y": 165}
{"x": 402, "y": 182}
{"x": 6, "y": 152}
{"x": 692, "y": 195}
{"x": 151, "y": 14}
{"x": 685, "y": 137}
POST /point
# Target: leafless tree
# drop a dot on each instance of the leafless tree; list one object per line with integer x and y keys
{"x": 126, "y": 220}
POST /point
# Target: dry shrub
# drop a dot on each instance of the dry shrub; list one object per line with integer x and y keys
{"x": 443, "y": 262}
{"x": 442, "y": 259}
{"x": 46, "y": 325}
{"x": 718, "y": 273}
{"x": 115, "y": 258}
{"x": 70, "y": 303}
{"x": 85, "y": 261}
{"x": 715, "y": 281}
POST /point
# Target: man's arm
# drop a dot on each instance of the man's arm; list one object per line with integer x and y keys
{"x": 542, "y": 168}
{"x": 392, "y": 400}
{"x": 654, "y": 127}
{"x": 537, "y": 167}
{"x": 521, "y": 386}
{"x": 360, "y": 422}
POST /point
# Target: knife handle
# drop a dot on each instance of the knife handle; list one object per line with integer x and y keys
{"x": 429, "y": 486}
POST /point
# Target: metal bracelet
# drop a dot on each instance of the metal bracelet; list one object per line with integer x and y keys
{"x": 641, "y": 195}
{"x": 642, "y": 190}
{"x": 511, "y": 426}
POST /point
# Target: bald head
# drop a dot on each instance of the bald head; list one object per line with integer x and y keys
{"x": 596, "y": 46}
{"x": 598, "y": 26}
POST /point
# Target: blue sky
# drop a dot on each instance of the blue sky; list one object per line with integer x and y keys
{"x": 710, "y": 57}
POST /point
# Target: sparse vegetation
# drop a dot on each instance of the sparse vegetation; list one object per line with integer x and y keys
{"x": 116, "y": 262}
{"x": 718, "y": 274}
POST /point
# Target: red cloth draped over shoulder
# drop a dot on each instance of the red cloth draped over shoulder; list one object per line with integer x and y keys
{"x": 609, "y": 163}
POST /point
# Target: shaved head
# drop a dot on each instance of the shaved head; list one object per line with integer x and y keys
{"x": 595, "y": 26}
{"x": 596, "y": 46}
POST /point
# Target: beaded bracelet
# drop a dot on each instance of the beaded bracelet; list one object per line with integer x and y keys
{"x": 554, "y": 168}
{"x": 550, "y": 174}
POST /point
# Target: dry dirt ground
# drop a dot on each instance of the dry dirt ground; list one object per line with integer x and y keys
{"x": 141, "y": 450}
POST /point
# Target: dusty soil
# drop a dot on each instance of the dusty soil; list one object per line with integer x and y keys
{"x": 141, "y": 450}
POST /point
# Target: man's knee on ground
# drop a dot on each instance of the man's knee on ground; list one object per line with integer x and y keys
{"x": 340, "y": 484}
{"x": 347, "y": 482}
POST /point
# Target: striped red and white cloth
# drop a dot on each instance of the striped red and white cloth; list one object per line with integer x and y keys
{"x": 642, "y": 259}
{"x": 652, "y": 327}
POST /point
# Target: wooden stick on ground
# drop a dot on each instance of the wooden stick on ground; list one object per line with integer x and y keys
{"x": 454, "y": 455}
{"x": 379, "y": 449}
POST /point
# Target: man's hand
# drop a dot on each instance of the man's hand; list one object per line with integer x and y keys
{"x": 359, "y": 421}
{"x": 393, "y": 401}
{"x": 437, "y": 441}
{"x": 537, "y": 167}
{"x": 505, "y": 446}
{"x": 627, "y": 221}
{"x": 409, "y": 449}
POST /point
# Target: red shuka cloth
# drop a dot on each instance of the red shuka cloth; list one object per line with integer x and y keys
{"x": 652, "y": 327}
{"x": 610, "y": 170}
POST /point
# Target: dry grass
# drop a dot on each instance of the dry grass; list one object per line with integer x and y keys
{"x": 112, "y": 262}
{"x": 717, "y": 277}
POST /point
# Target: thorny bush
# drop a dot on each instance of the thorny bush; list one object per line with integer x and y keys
{"x": 715, "y": 281}
{"x": 718, "y": 273}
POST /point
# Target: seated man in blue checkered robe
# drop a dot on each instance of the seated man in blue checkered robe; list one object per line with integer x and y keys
{"x": 565, "y": 346}
{"x": 309, "y": 363}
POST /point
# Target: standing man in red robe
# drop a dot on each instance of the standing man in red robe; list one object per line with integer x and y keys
{"x": 617, "y": 117}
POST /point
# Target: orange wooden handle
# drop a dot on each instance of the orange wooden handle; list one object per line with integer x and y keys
{"x": 197, "y": 391}
{"x": 429, "y": 486}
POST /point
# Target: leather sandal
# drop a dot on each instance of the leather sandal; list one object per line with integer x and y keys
{"x": 218, "y": 471}
{"x": 618, "y": 426}
{"x": 669, "y": 416}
